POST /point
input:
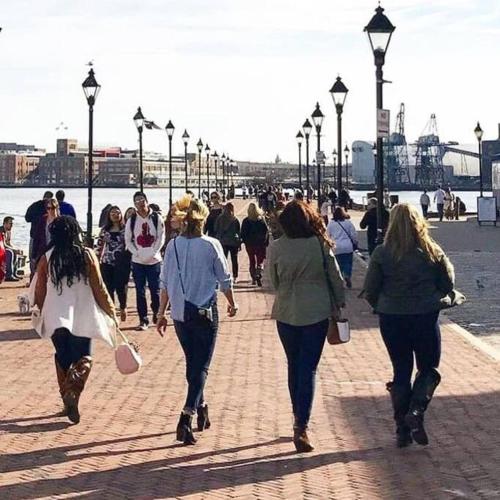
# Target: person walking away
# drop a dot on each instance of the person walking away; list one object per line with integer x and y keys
{"x": 343, "y": 199}
{"x": 65, "y": 208}
{"x": 298, "y": 263}
{"x": 228, "y": 232}
{"x": 144, "y": 234}
{"x": 11, "y": 253}
{"x": 407, "y": 283}
{"x": 215, "y": 211}
{"x": 193, "y": 269}
{"x": 449, "y": 202}
{"x": 255, "y": 236}
{"x": 425, "y": 201}
{"x": 244, "y": 191}
{"x": 387, "y": 199}
{"x": 332, "y": 196}
{"x": 114, "y": 258}
{"x": 33, "y": 214}
{"x": 74, "y": 308}
{"x": 439, "y": 201}
{"x": 369, "y": 222}
{"x": 326, "y": 206}
{"x": 342, "y": 231}
{"x": 41, "y": 235}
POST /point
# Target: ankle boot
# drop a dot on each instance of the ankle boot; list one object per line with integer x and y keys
{"x": 301, "y": 440}
{"x": 202, "y": 420}
{"x": 76, "y": 378}
{"x": 423, "y": 389}
{"x": 61, "y": 379}
{"x": 400, "y": 398}
{"x": 184, "y": 430}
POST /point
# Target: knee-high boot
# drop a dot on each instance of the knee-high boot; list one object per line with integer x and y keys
{"x": 61, "y": 380}
{"x": 400, "y": 398}
{"x": 423, "y": 389}
{"x": 78, "y": 374}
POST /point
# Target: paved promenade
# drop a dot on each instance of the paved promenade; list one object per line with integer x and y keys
{"x": 124, "y": 446}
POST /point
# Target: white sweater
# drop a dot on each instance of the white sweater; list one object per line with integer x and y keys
{"x": 147, "y": 240}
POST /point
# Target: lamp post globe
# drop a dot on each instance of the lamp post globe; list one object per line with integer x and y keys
{"x": 306, "y": 129}
{"x": 185, "y": 139}
{"x": 139, "y": 123}
{"x": 479, "y": 135}
{"x": 300, "y": 140}
{"x": 339, "y": 94}
{"x": 199, "y": 145}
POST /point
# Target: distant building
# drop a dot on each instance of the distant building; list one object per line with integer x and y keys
{"x": 14, "y": 167}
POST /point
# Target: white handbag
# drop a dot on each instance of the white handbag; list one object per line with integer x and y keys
{"x": 127, "y": 357}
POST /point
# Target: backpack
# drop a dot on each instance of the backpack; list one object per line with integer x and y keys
{"x": 133, "y": 218}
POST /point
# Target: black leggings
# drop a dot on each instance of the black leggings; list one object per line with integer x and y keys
{"x": 234, "y": 257}
{"x": 69, "y": 347}
{"x": 116, "y": 280}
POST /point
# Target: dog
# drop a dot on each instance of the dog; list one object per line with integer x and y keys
{"x": 23, "y": 303}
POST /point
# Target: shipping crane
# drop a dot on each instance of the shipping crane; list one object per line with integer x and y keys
{"x": 429, "y": 170}
{"x": 396, "y": 153}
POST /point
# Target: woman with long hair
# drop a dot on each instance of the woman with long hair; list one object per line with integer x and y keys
{"x": 74, "y": 307}
{"x": 408, "y": 280}
{"x": 227, "y": 231}
{"x": 298, "y": 265}
{"x": 255, "y": 235}
{"x": 41, "y": 236}
{"x": 114, "y": 258}
{"x": 194, "y": 268}
{"x": 342, "y": 231}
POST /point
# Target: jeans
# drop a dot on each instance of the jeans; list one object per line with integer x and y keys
{"x": 10, "y": 263}
{"x": 440, "y": 209}
{"x": 344, "y": 261}
{"x": 114, "y": 280}
{"x": 425, "y": 209}
{"x": 256, "y": 256}
{"x": 151, "y": 273}
{"x": 406, "y": 334}
{"x": 197, "y": 338}
{"x": 303, "y": 347}
{"x": 69, "y": 347}
{"x": 234, "y": 257}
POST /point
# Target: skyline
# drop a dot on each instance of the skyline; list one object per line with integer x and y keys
{"x": 229, "y": 74}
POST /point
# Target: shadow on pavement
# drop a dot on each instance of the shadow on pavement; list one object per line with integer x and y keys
{"x": 10, "y": 336}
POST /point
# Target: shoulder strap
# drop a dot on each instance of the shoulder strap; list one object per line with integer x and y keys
{"x": 178, "y": 266}
{"x": 133, "y": 218}
{"x": 345, "y": 231}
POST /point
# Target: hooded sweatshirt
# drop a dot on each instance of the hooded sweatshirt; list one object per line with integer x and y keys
{"x": 146, "y": 241}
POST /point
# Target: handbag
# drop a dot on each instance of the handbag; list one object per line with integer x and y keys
{"x": 354, "y": 245}
{"x": 339, "y": 331}
{"x": 127, "y": 357}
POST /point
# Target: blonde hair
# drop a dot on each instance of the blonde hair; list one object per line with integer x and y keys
{"x": 407, "y": 231}
{"x": 190, "y": 213}
{"x": 254, "y": 212}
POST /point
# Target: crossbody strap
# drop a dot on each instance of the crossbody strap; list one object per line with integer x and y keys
{"x": 179, "y": 267}
{"x": 345, "y": 231}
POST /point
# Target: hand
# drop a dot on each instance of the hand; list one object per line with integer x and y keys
{"x": 161, "y": 325}
{"x": 232, "y": 310}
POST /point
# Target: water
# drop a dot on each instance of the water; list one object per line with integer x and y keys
{"x": 14, "y": 202}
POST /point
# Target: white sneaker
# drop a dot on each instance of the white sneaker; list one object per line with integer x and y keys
{"x": 142, "y": 327}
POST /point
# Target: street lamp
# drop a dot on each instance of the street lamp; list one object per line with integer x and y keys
{"x": 347, "y": 151}
{"x": 317, "y": 118}
{"x": 207, "y": 151}
{"x": 306, "y": 128}
{"x": 300, "y": 140}
{"x": 215, "y": 156}
{"x": 379, "y": 31}
{"x": 200, "y": 149}
{"x": 139, "y": 123}
{"x": 479, "y": 134}
{"x": 334, "y": 158}
{"x": 91, "y": 89}
{"x": 339, "y": 94}
{"x": 223, "y": 160}
{"x": 185, "y": 138}
{"x": 170, "y": 132}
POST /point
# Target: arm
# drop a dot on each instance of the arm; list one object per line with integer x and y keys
{"x": 244, "y": 230}
{"x": 373, "y": 280}
{"x": 99, "y": 290}
{"x": 129, "y": 244}
{"x": 335, "y": 278}
{"x": 446, "y": 275}
{"x": 363, "y": 224}
{"x": 272, "y": 266}
{"x": 160, "y": 236}
{"x": 100, "y": 244}
{"x": 221, "y": 270}
{"x": 41, "y": 282}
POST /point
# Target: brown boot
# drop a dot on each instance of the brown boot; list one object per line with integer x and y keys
{"x": 301, "y": 440}
{"x": 78, "y": 374}
{"x": 61, "y": 379}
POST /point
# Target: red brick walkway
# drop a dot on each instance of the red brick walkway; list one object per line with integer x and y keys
{"x": 124, "y": 446}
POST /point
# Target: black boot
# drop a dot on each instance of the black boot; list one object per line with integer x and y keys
{"x": 184, "y": 430}
{"x": 400, "y": 397}
{"x": 203, "y": 421}
{"x": 423, "y": 389}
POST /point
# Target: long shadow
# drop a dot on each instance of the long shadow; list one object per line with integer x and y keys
{"x": 26, "y": 429}
{"x": 28, "y": 419}
{"x": 10, "y": 335}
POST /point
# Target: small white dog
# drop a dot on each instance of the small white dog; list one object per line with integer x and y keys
{"x": 23, "y": 303}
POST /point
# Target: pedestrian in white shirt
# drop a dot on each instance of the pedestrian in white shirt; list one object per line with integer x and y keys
{"x": 325, "y": 209}
{"x": 439, "y": 201}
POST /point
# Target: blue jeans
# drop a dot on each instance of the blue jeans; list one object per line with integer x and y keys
{"x": 69, "y": 347}
{"x": 408, "y": 334}
{"x": 197, "y": 338}
{"x": 303, "y": 347}
{"x": 344, "y": 261}
{"x": 151, "y": 273}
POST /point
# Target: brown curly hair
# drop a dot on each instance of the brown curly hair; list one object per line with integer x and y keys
{"x": 300, "y": 220}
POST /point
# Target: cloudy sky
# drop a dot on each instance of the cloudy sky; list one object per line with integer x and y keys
{"x": 243, "y": 74}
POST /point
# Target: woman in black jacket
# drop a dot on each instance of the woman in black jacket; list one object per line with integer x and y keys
{"x": 227, "y": 231}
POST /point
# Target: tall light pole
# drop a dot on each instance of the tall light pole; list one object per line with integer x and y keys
{"x": 307, "y": 127}
{"x": 170, "y": 132}
{"x": 215, "y": 156}
{"x": 379, "y": 31}
{"x": 223, "y": 160}
{"x": 479, "y": 134}
{"x": 185, "y": 138}
{"x": 300, "y": 140}
{"x": 200, "y": 149}
{"x": 139, "y": 123}
{"x": 91, "y": 89}
{"x": 207, "y": 151}
{"x": 347, "y": 151}
{"x": 334, "y": 158}
{"x": 339, "y": 94}
{"x": 317, "y": 118}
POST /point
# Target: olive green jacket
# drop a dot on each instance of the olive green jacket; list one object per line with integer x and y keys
{"x": 414, "y": 285}
{"x": 298, "y": 276}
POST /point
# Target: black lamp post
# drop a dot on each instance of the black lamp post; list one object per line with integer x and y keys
{"x": 479, "y": 134}
{"x": 307, "y": 127}
{"x": 215, "y": 156}
{"x": 207, "y": 151}
{"x": 185, "y": 138}
{"x": 347, "y": 151}
{"x": 91, "y": 89}
{"x": 223, "y": 160}
{"x": 334, "y": 158}
{"x": 200, "y": 149}
{"x": 339, "y": 94}
{"x": 379, "y": 31}
{"x": 170, "y": 132}
{"x": 300, "y": 140}
{"x": 317, "y": 118}
{"x": 139, "y": 123}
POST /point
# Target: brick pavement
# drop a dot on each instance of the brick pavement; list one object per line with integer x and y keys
{"x": 124, "y": 446}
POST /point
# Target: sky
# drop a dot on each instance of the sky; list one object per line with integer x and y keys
{"x": 243, "y": 75}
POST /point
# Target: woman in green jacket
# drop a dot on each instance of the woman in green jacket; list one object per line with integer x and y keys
{"x": 303, "y": 303}
{"x": 409, "y": 280}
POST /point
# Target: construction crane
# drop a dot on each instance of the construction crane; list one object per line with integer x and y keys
{"x": 429, "y": 170}
{"x": 396, "y": 153}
